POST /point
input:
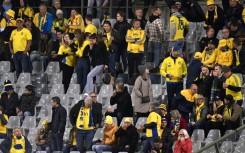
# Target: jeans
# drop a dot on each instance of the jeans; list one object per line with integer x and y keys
{"x": 44, "y": 148}
{"x": 112, "y": 64}
{"x": 96, "y": 71}
{"x": 45, "y": 61}
{"x": 155, "y": 49}
{"x": 84, "y": 135}
{"x": 57, "y": 141}
{"x": 82, "y": 68}
{"x": 68, "y": 148}
{"x": 173, "y": 88}
{"x": 24, "y": 116}
{"x": 3, "y": 135}
{"x": 99, "y": 8}
{"x": 134, "y": 60}
{"x": 148, "y": 145}
{"x": 21, "y": 63}
{"x": 180, "y": 43}
{"x": 101, "y": 148}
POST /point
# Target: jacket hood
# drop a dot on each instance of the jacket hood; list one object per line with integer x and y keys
{"x": 158, "y": 111}
{"x": 177, "y": 14}
{"x": 153, "y": 18}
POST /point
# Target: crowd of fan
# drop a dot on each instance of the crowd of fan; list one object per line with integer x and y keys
{"x": 212, "y": 98}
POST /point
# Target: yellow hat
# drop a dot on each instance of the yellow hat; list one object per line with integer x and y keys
{"x": 222, "y": 43}
{"x": 108, "y": 119}
{"x": 45, "y": 122}
{"x": 128, "y": 119}
{"x": 210, "y": 2}
{"x": 20, "y": 19}
{"x": 10, "y": 13}
{"x": 198, "y": 55}
{"x": 163, "y": 106}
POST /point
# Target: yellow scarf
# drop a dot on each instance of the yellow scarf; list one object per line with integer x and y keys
{"x": 198, "y": 111}
{"x": 215, "y": 14}
{"x": 188, "y": 95}
{"x": 213, "y": 118}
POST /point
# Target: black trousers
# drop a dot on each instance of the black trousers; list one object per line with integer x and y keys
{"x": 67, "y": 74}
{"x": 134, "y": 60}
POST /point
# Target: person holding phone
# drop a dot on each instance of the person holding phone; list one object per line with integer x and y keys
{"x": 183, "y": 143}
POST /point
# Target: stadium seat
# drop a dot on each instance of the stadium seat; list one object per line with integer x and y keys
{"x": 56, "y": 79}
{"x": 226, "y": 147}
{"x": 219, "y": 35}
{"x": 46, "y": 111}
{"x": 21, "y": 91}
{"x": 14, "y": 121}
{"x": 113, "y": 21}
{"x": 4, "y": 67}
{"x": 196, "y": 146}
{"x": 98, "y": 134}
{"x": 96, "y": 22}
{"x": 66, "y": 134}
{"x": 41, "y": 89}
{"x": 23, "y": 80}
{"x": 156, "y": 90}
{"x": 57, "y": 89}
{"x": 57, "y": 151}
{"x": 106, "y": 90}
{"x": 76, "y": 99}
{"x": 35, "y": 56}
{"x": 74, "y": 78}
{"x": 240, "y": 147}
{"x": 52, "y": 68}
{"x": 140, "y": 121}
{"x": 7, "y": 76}
{"x": 240, "y": 76}
{"x": 41, "y": 152}
{"x": 123, "y": 77}
{"x": 232, "y": 138}
{"x": 73, "y": 90}
{"x": 129, "y": 20}
{"x": 191, "y": 36}
{"x": 64, "y": 100}
{"x": 29, "y": 122}
{"x": 193, "y": 25}
{"x": 44, "y": 100}
{"x": 133, "y": 98}
{"x": 213, "y": 135}
{"x": 79, "y": 152}
{"x": 41, "y": 78}
{"x": 204, "y": 34}
{"x": 37, "y": 67}
{"x": 197, "y": 135}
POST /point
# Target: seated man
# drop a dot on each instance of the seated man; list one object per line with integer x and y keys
{"x": 209, "y": 54}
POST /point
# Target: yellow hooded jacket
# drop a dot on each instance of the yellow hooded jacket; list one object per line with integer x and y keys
{"x": 135, "y": 39}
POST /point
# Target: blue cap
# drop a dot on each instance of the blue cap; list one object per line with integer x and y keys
{"x": 176, "y": 48}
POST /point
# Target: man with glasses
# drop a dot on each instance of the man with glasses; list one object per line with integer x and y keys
{"x": 97, "y": 110}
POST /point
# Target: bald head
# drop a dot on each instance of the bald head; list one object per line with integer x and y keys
{"x": 194, "y": 89}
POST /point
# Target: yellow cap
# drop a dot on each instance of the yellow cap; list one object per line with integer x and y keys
{"x": 108, "y": 119}
{"x": 198, "y": 55}
{"x": 163, "y": 106}
{"x": 128, "y": 119}
{"x": 222, "y": 43}
{"x": 20, "y": 19}
{"x": 10, "y": 13}
{"x": 210, "y": 2}
{"x": 45, "y": 122}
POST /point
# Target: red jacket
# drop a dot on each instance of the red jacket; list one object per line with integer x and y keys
{"x": 182, "y": 125}
{"x": 183, "y": 146}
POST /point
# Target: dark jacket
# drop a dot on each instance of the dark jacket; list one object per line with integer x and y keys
{"x": 53, "y": 12}
{"x": 124, "y": 103}
{"x": 58, "y": 119}
{"x": 99, "y": 54}
{"x": 241, "y": 67}
{"x": 203, "y": 115}
{"x": 194, "y": 70}
{"x": 204, "y": 42}
{"x": 127, "y": 137}
{"x": 204, "y": 85}
{"x": 219, "y": 22}
{"x": 9, "y": 104}
{"x": 234, "y": 13}
{"x": 115, "y": 43}
{"x": 97, "y": 113}
{"x": 122, "y": 28}
{"x": 28, "y": 103}
{"x": 233, "y": 122}
{"x": 166, "y": 140}
{"x": 45, "y": 47}
{"x": 5, "y": 146}
{"x": 217, "y": 88}
{"x": 35, "y": 32}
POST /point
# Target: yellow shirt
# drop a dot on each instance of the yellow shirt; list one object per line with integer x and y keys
{"x": 68, "y": 60}
{"x": 80, "y": 49}
{"x": 75, "y": 23}
{"x": 83, "y": 119}
{"x": 135, "y": 46}
{"x": 155, "y": 131}
{"x": 27, "y": 11}
{"x": 227, "y": 112}
{"x": 20, "y": 39}
{"x": 91, "y": 29}
{"x": 3, "y": 24}
{"x": 188, "y": 95}
{"x": 234, "y": 80}
{"x": 224, "y": 58}
{"x": 176, "y": 67}
{"x": 17, "y": 145}
{"x": 208, "y": 57}
{"x": 179, "y": 24}
{"x": 3, "y": 128}
{"x": 60, "y": 24}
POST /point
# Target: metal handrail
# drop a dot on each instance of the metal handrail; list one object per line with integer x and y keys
{"x": 216, "y": 143}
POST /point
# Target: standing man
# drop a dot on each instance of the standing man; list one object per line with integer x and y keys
{"x": 174, "y": 69}
{"x": 139, "y": 16}
{"x": 99, "y": 8}
{"x": 90, "y": 28}
{"x": 58, "y": 124}
{"x": 154, "y": 30}
{"x": 97, "y": 110}
{"x": 81, "y": 117}
{"x": 20, "y": 43}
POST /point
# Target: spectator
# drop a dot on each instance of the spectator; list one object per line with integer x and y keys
{"x": 67, "y": 57}
{"x": 174, "y": 74}
{"x": 226, "y": 36}
{"x": 194, "y": 69}
{"x": 109, "y": 137}
{"x": 164, "y": 113}
{"x": 83, "y": 62}
{"x": 72, "y": 142}
{"x": 3, "y": 23}
{"x": 142, "y": 88}
{"x": 232, "y": 85}
{"x": 135, "y": 38}
{"x": 154, "y": 30}
{"x": 122, "y": 98}
{"x": 43, "y": 137}
{"x": 236, "y": 28}
{"x": 231, "y": 115}
{"x": 183, "y": 144}
{"x": 59, "y": 23}
{"x": 3, "y": 123}
{"x": 204, "y": 83}
{"x": 239, "y": 56}
{"x": 43, "y": 20}
{"x": 148, "y": 3}
{"x": 184, "y": 101}
{"x": 209, "y": 55}
{"x": 20, "y": 43}
{"x": 44, "y": 49}
{"x": 16, "y": 142}
{"x": 74, "y": 22}
{"x": 97, "y": 110}
{"x": 6, "y": 5}
{"x": 55, "y": 46}
{"x": 81, "y": 116}
{"x": 165, "y": 136}
{"x": 99, "y": 8}
{"x": 9, "y": 99}
{"x": 198, "y": 115}
{"x": 57, "y": 6}
{"x": 139, "y": 16}
{"x": 110, "y": 37}
{"x": 210, "y": 36}
{"x": 178, "y": 25}
{"x": 158, "y": 146}
{"x": 224, "y": 55}
{"x": 212, "y": 121}
{"x": 215, "y": 17}
{"x": 27, "y": 103}
{"x": 35, "y": 32}
{"x": 25, "y": 10}
{"x": 99, "y": 61}
{"x": 58, "y": 124}
{"x": 127, "y": 136}
{"x": 122, "y": 27}
{"x": 217, "y": 84}
{"x": 153, "y": 122}
{"x": 234, "y": 12}
{"x": 90, "y": 28}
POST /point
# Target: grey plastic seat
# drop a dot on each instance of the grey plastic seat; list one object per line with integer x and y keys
{"x": 211, "y": 149}
{"x": 24, "y": 79}
{"x": 129, "y": 20}
{"x": 98, "y": 134}
{"x": 226, "y": 147}
{"x": 7, "y": 76}
{"x": 106, "y": 90}
{"x": 96, "y": 22}
{"x": 76, "y": 99}
{"x": 45, "y": 111}
{"x": 197, "y": 135}
{"x": 113, "y": 21}
{"x": 193, "y": 25}
{"x": 156, "y": 90}
{"x": 37, "y": 67}
{"x": 64, "y": 100}
{"x": 52, "y": 68}
{"x": 196, "y": 146}
{"x": 219, "y": 35}
{"x": 41, "y": 78}
{"x": 74, "y": 78}
{"x": 191, "y": 36}
{"x": 79, "y": 152}
{"x": 231, "y": 138}
{"x": 204, "y": 34}
{"x": 41, "y": 152}
{"x": 57, "y": 89}
{"x": 35, "y": 56}
{"x": 57, "y": 151}
{"x": 29, "y": 122}
{"x": 56, "y": 79}
{"x": 240, "y": 76}
{"x": 14, "y": 121}
{"x": 41, "y": 89}
{"x": 114, "y": 120}
{"x": 66, "y": 134}
{"x": 140, "y": 121}
{"x": 73, "y": 90}
{"x": 213, "y": 135}
{"x": 44, "y": 100}
{"x": 240, "y": 147}
{"x": 21, "y": 90}
{"x": 86, "y": 152}
{"x": 4, "y": 67}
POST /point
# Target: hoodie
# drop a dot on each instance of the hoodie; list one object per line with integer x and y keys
{"x": 178, "y": 24}
{"x": 153, "y": 124}
{"x": 194, "y": 70}
{"x": 154, "y": 29}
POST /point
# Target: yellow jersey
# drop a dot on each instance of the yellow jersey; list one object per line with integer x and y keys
{"x": 75, "y": 23}
{"x": 135, "y": 39}
{"x": 208, "y": 57}
{"x": 155, "y": 131}
{"x": 177, "y": 27}
{"x": 80, "y": 49}
{"x": 83, "y": 119}
{"x": 235, "y": 81}
{"x": 3, "y": 128}
{"x": 91, "y": 29}
{"x": 224, "y": 58}
{"x": 18, "y": 145}
{"x": 68, "y": 60}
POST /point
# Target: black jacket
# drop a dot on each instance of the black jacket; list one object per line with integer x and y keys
{"x": 9, "y": 104}
{"x": 219, "y": 22}
{"x": 99, "y": 54}
{"x": 124, "y": 103}
{"x": 241, "y": 67}
{"x": 166, "y": 134}
{"x": 58, "y": 119}
{"x": 234, "y": 13}
{"x": 127, "y": 137}
{"x": 204, "y": 85}
{"x": 194, "y": 70}
{"x": 122, "y": 28}
{"x": 203, "y": 115}
{"x": 28, "y": 103}
{"x": 35, "y": 32}
{"x": 53, "y": 12}
{"x": 97, "y": 113}
{"x": 115, "y": 42}
{"x": 217, "y": 88}
{"x": 5, "y": 146}
{"x": 204, "y": 42}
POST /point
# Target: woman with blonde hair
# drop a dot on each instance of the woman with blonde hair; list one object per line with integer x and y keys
{"x": 183, "y": 144}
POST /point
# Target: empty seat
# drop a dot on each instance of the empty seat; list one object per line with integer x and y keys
{"x": 44, "y": 100}
{"x": 57, "y": 89}
{"x": 41, "y": 78}
{"x": 4, "y": 67}
{"x": 52, "y": 68}
{"x": 196, "y": 146}
{"x": 226, "y": 147}
{"x": 156, "y": 90}
{"x": 64, "y": 100}
{"x": 240, "y": 147}
{"x": 66, "y": 134}
{"x": 24, "y": 79}
{"x": 98, "y": 134}
{"x": 14, "y": 121}
{"x": 74, "y": 78}
{"x": 193, "y": 25}
{"x": 21, "y": 91}
{"x": 114, "y": 120}
{"x": 46, "y": 111}
{"x": 41, "y": 152}
{"x": 37, "y": 67}
{"x": 213, "y": 135}
{"x": 29, "y": 122}
{"x": 79, "y": 152}
{"x": 7, "y": 76}
{"x": 106, "y": 90}
{"x": 197, "y": 135}
{"x": 129, "y": 20}
{"x": 113, "y": 21}
{"x": 56, "y": 79}
{"x": 240, "y": 76}
{"x": 140, "y": 121}
{"x": 73, "y": 90}
{"x": 41, "y": 89}
{"x": 204, "y": 34}
{"x": 219, "y": 35}
{"x": 232, "y": 137}
{"x": 191, "y": 36}
{"x": 76, "y": 99}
